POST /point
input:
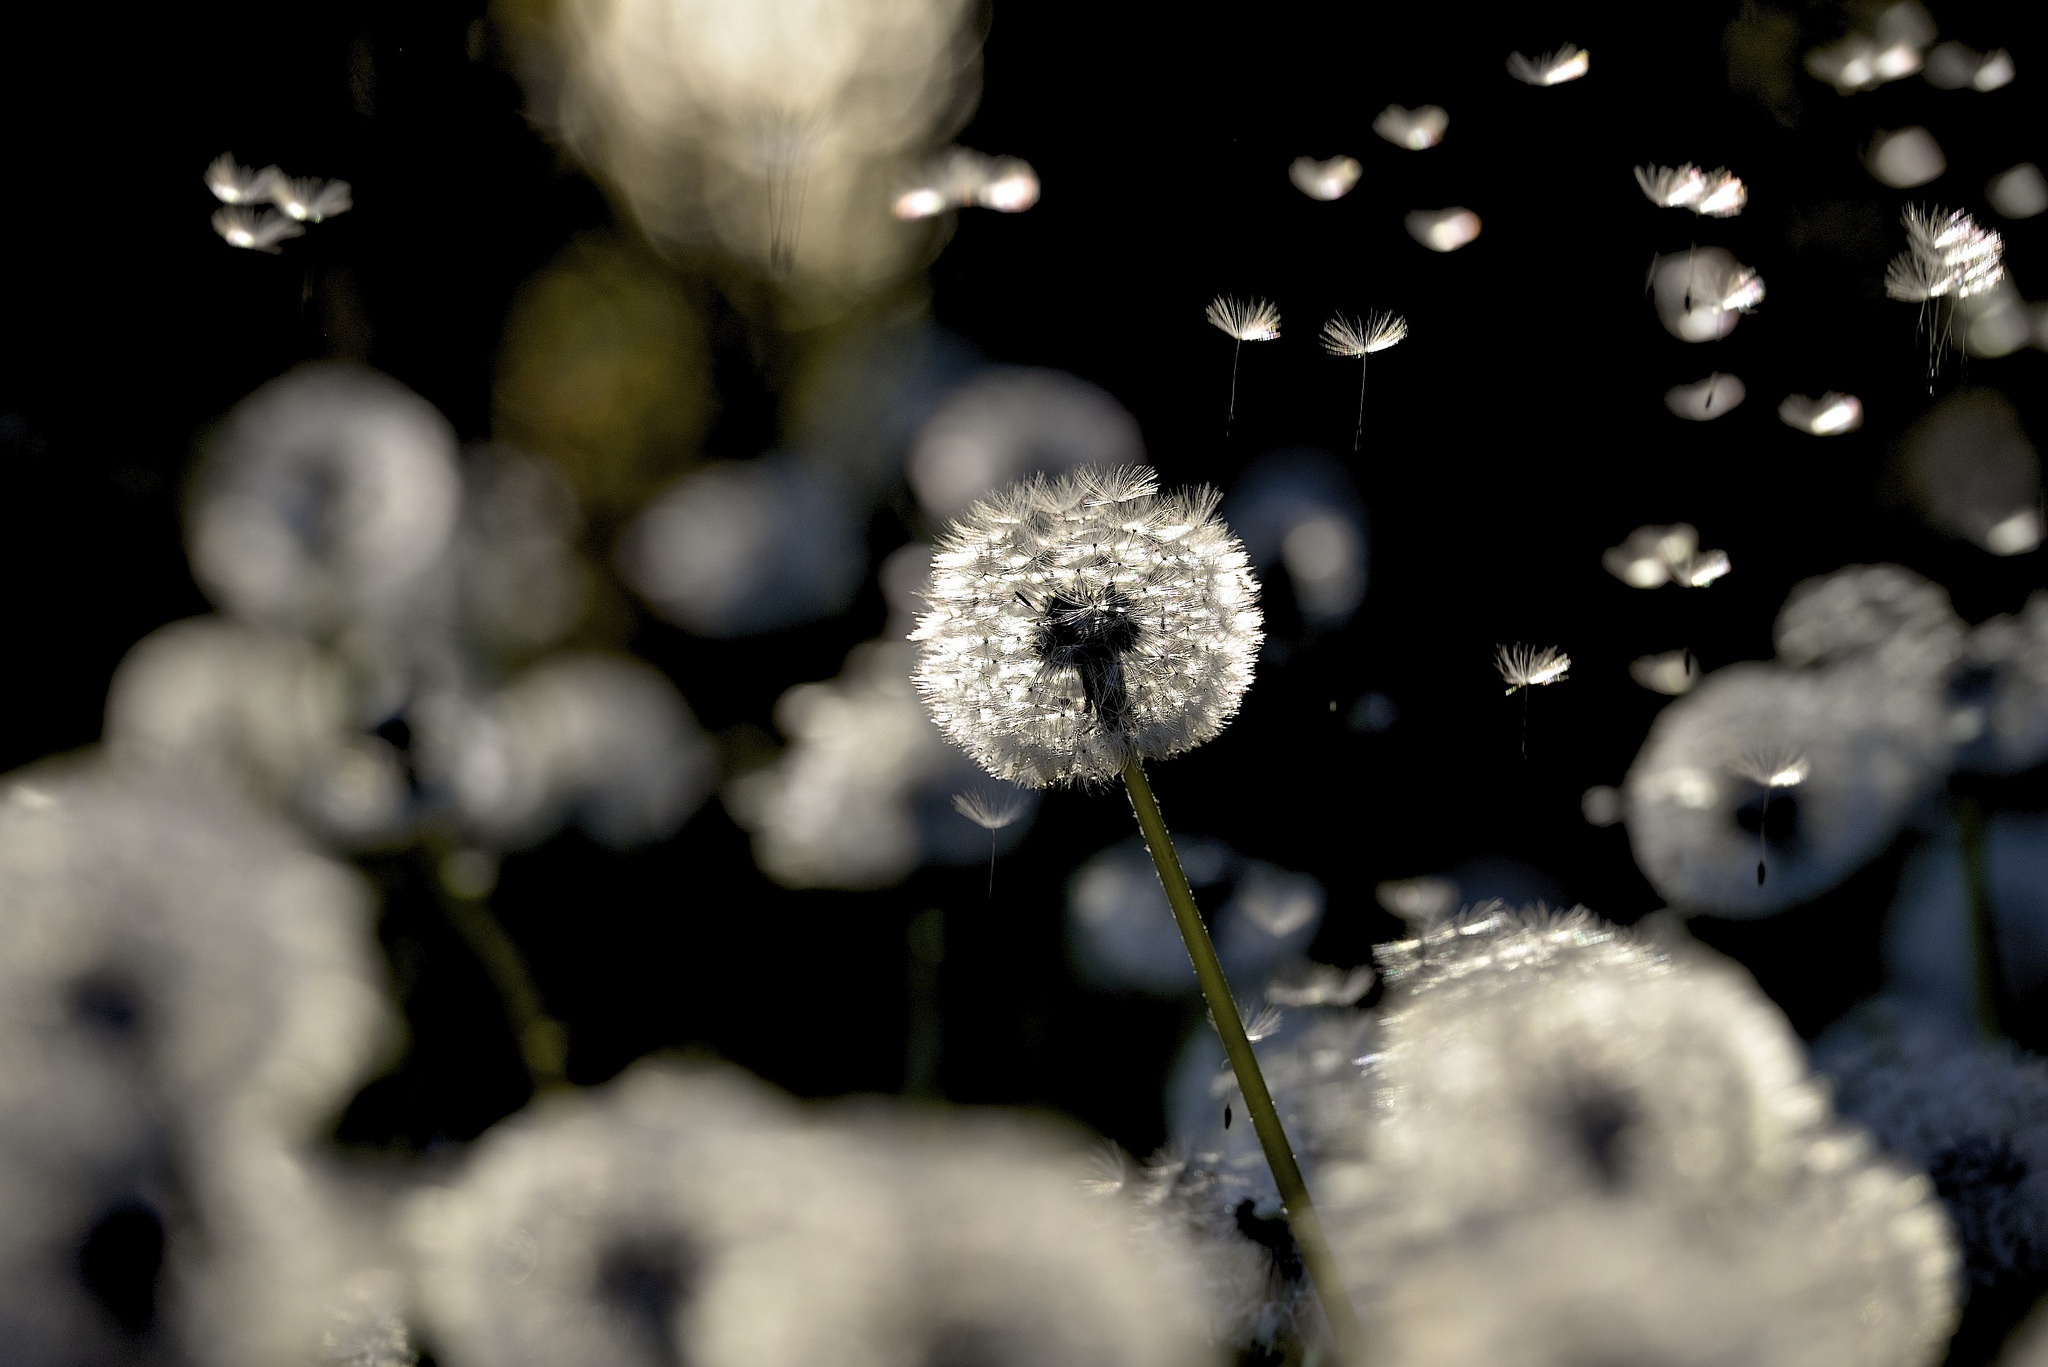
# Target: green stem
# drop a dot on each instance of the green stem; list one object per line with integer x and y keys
{"x": 1258, "y": 1102}
{"x": 542, "y": 1040}
{"x": 1990, "y": 966}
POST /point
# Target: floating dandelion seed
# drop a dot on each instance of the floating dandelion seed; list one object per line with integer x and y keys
{"x": 1953, "y": 66}
{"x": 1771, "y": 768}
{"x": 1654, "y": 556}
{"x": 1707, "y": 399}
{"x": 1568, "y": 63}
{"x": 1357, "y": 339}
{"x": 1947, "y": 257}
{"x": 310, "y": 199}
{"x": 992, "y": 809}
{"x": 234, "y": 183}
{"x": 1673, "y": 673}
{"x": 963, "y": 177}
{"x": 1701, "y": 294}
{"x": 1416, "y": 129}
{"x": 1443, "y": 230}
{"x": 1264, "y": 1025}
{"x": 1830, "y": 415}
{"x": 1525, "y": 667}
{"x": 1324, "y": 180}
{"x": 1253, "y": 320}
{"x": 1718, "y": 193}
{"x": 258, "y": 230}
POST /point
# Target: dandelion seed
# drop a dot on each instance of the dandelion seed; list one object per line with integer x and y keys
{"x": 1947, "y": 257}
{"x": 962, "y": 177}
{"x": 1416, "y": 129}
{"x": 1443, "y": 230}
{"x": 1718, "y": 193}
{"x": 234, "y": 183}
{"x": 1253, "y": 320}
{"x": 1357, "y": 339}
{"x": 1264, "y": 1025}
{"x": 1568, "y": 63}
{"x": 1953, "y": 66}
{"x": 1324, "y": 180}
{"x": 309, "y": 199}
{"x": 992, "y": 809}
{"x": 1705, "y": 400}
{"x": 1830, "y": 415}
{"x": 257, "y": 230}
{"x": 1524, "y": 666}
{"x": 1654, "y": 556}
{"x": 1771, "y": 768}
{"x": 1673, "y": 673}
{"x": 1701, "y": 294}
{"x": 1078, "y": 622}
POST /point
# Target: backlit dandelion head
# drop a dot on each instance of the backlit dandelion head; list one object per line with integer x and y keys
{"x": 256, "y": 230}
{"x": 310, "y": 199}
{"x": 1568, "y": 63}
{"x": 1358, "y": 338}
{"x": 1830, "y": 415}
{"x": 1946, "y": 255}
{"x": 993, "y": 808}
{"x": 1245, "y": 320}
{"x": 234, "y": 183}
{"x": 1078, "y": 622}
{"x": 1523, "y": 666}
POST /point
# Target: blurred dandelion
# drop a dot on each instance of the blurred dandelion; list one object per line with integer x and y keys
{"x": 1973, "y": 473}
{"x": 1952, "y": 66}
{"x": 1672, "y": 673}
{"x": 1357, "y": 339}
{"x": 1416, "y": 129}
{"x": 1443, "y": 230}
{"x": 1242, "y": 321}
{"x": 1947, "y": 258}
{"x": 2019, "y": 191}
{"x": 1653, "y": 556}
{"x": 1705, "y": 400}
{"x": 234, "y": 183}
{"x": 258, "y": 230}
{"x": 1771, "y": 768}
{"x": 1701, "y": 294}
{"x": 1883, "y": 618}
{"x": 1830, "y": 415}
{"x": 311, "y": 200}
{"x": 1719, "y": 193}
{"x": 1568, "y": 63}
{"x": 1905, "y": 158}
{"x": 1008, "y": 422}
{"x": 1523, "y": 666}
{"x": 962, "y": 177}
{"x": 1324, "y": 180}
{"x": 1299, "y": 510}
{"x": 1891, "y": 47}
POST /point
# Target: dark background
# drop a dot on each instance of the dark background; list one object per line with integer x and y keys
{"x": 1516, "y": 434}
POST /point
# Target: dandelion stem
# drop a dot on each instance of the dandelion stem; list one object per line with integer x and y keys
{"x": 1359, "y": 435}
{"x": 541, "y": 1039}
{"x": 1989, "y": 965}
{"x": 1258, "y": 1102}
{"x": 1231, "y": 416}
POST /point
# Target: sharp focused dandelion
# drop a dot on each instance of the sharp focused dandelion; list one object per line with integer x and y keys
{"x": 1357, "y": 339}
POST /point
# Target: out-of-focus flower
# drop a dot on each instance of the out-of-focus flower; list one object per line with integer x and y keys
{"x": 2019, "y": 191}
{"x": 1830, "y": 415}
{"x": 1971, "y": 470}
{"x": 1718, "y": 193}
{"x": 774, "y": 133}
{"x": 601, "y": 739}
{"x": 961, "y": 177}
{"x": 1300, "y": 510}
{"x": 1947, "y": 256}
{"x": 257, "y": 230}
{"x": 1443, "y": 230}
{"x": 1324, "y": 180}
{"x": 1905, "y": 158}
{"x": 743, "y": 547}
{"x": 1010, "y": 422}
{"x": 1952, "y": 66}
{"x": 2000, "y": 693}
{"x": 1881, "y": 617}
{"x": 323, "y": 501}
{"x": 1874, "y": 744}
{"x": 1892, "y": 47}
{"x": 1673, "y": 673}
{"x": 1655, "y": 556}
{"x": 1523, "y": 666}
{"x": 234, "y": 183}
{"x": 690, "y": 1216}
{"x": 1079, "y": 622}
{"x": 1416, "y": 129}
{"x": 1700, "y": 294}
{"x": 1568, "y": 63}
{"x": 310, "y": 199}
{"x": 1705, "y": 400}
{"x": 1120, "y": 931}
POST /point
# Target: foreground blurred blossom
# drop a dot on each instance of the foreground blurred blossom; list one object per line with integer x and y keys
{"x": 1830, "y": 415}
{"x": 962, "y": 177}
{"x": 1952, "y": 66}
{"x": 1884, "y": 618}
{"x": 743, "y": 547}
{"x": 1079, "y": 622}
{"x": 1009, "y": 422}
{"x": 1443, "y": 230}
{"x": 1701, "y": 294}
{"x": 323, "y": 501}
{"x": 2001, "y": 692}
{"x": 1890, "y": 48}
{"x": 1705, "y": 400}
{"x": 1325, "y": 180}
{"x": 1654, "y": 556}
{"x": 1697, "y": 814}
{"x": 1718, "y": 193}
{"x": 1971, "y": 470}
{"x": 1120, "y": 932}
{"x": 603, "y": 740}
{"x": 2019, "y": 192}
{"x": 771, "y": 132}
{"x": 1300, "y": 510}
{"x": 1618, "y": 1140}
{"x": 693, "y": 1216}
{"x": 255, "y": 229}
{"x": 1568, "y": 63}
{"x": 1970, "y": 1114}
{"x": 1416, "y": 129}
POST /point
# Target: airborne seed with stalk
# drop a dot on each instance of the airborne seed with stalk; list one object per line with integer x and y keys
{"x": 1358, "y": 338}
{"x": 1253, "y": 320}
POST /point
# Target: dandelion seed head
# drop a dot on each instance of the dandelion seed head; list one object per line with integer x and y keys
{"x": 1947, "y": 255}
{"x": 1079, "y": 621}
{"x": 309, "y": 199}
{"x": 1672, "y": 187}
{"x": 1245, "y": 320}
{"x": 1416, "y": 129}
{"x": 1523, "y": 666}
{"x": 993, "y": 808}
{"x": 1265, "y": 1024}
{"x": 257, "y": 230}
{"x": 1324, "y": 180}
{"x": 1358, "y": 338}
{"x": 1568, "y": 63}
{"x": 1772, "y": 766}
{"x": 234, "y": 183}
